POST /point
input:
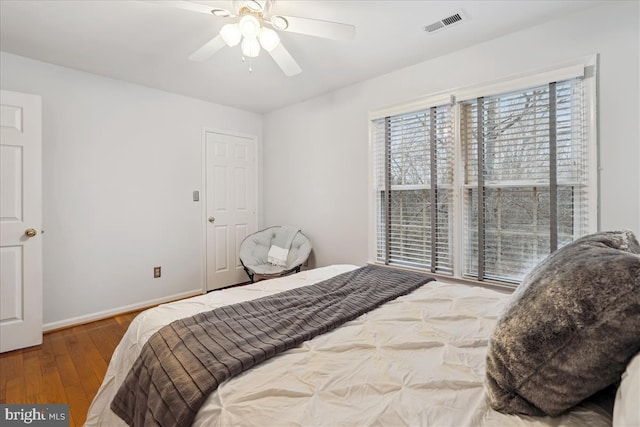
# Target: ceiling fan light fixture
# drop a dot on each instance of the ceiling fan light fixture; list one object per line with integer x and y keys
{"x": 279, "y": 22}
{"x": 250, "y": 47}
{"x": 255, "y": 5}
{"x": 231, "y": 34}
{"x": 268, "y": 39}
{"x": 249, "y": 26}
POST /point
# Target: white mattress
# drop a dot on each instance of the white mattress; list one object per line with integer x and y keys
{"x": 418, "y": 360}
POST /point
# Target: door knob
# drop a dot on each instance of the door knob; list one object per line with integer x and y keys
{"x": 30, "y": 232}
{"x": 212, "y": 219}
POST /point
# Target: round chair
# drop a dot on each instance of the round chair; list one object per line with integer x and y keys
{"x": 254, "y": 251}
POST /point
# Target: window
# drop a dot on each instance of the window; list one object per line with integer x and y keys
{"x": 525, "y": 188}
{"x": 414, "y": 186}
{"x": 489, "y": 201}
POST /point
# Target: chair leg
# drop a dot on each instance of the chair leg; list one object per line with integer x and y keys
{"x": 249, "y": 274}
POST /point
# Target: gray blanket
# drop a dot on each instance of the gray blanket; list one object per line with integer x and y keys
{"x": 185, "y": 361}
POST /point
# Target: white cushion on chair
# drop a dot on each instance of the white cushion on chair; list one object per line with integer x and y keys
{"x": 254, "y": 251}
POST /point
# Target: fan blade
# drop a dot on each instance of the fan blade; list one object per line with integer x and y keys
{"x": 318, "y": 28}
{"x": 209, "y": 49}
{"x": 285, "y": 61}
{"x": 185, "y": 5}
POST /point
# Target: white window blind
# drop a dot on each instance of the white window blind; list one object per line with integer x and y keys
{"x": 413, "y": 155}
{"x": 525, "y": 177}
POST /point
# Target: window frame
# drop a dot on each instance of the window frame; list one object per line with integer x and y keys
{"x": 582, "y": 67}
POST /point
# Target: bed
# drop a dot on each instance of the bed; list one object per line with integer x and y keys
{"x": 416, "y": 360}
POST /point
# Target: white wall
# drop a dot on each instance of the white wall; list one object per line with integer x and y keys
{"x": 316, "y": 164}
{"x": 120, "y": 162}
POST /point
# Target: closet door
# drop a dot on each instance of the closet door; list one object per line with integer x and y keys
{"x": 230, "y": 205}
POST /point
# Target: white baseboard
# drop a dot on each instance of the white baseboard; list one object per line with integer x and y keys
{"x": 73, "y": 321}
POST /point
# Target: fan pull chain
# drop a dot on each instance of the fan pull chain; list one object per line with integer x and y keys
{"x": 250, "y": 63}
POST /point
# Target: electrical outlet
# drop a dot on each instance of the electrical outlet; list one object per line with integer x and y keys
{"x": 156, "y": 272}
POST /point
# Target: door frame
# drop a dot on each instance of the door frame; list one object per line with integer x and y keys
{"x": 203, "y": 192}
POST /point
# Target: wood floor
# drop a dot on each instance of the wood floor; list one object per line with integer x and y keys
{"x": 67, "y": 368}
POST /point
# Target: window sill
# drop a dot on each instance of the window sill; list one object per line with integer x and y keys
{"x": 489, "y": 284}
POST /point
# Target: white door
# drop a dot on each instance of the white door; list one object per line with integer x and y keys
{"x": 20, "y": 220}
{"x": 230, "y": 205}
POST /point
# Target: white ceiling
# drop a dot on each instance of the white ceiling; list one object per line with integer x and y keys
{"x": 148, "y": 44}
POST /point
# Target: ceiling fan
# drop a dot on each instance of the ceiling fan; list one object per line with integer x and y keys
{"x": 253, "y": 26}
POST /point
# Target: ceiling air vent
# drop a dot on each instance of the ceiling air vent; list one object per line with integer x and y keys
{"x": 456, "y": 18}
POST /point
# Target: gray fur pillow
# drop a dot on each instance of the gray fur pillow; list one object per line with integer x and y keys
{"x": 570, "y": 328}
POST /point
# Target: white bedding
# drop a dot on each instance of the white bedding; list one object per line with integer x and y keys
{"x": 417, "y": 360}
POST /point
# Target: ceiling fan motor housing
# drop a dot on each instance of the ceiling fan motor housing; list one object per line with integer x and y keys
{"x": 255, "y": 6}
